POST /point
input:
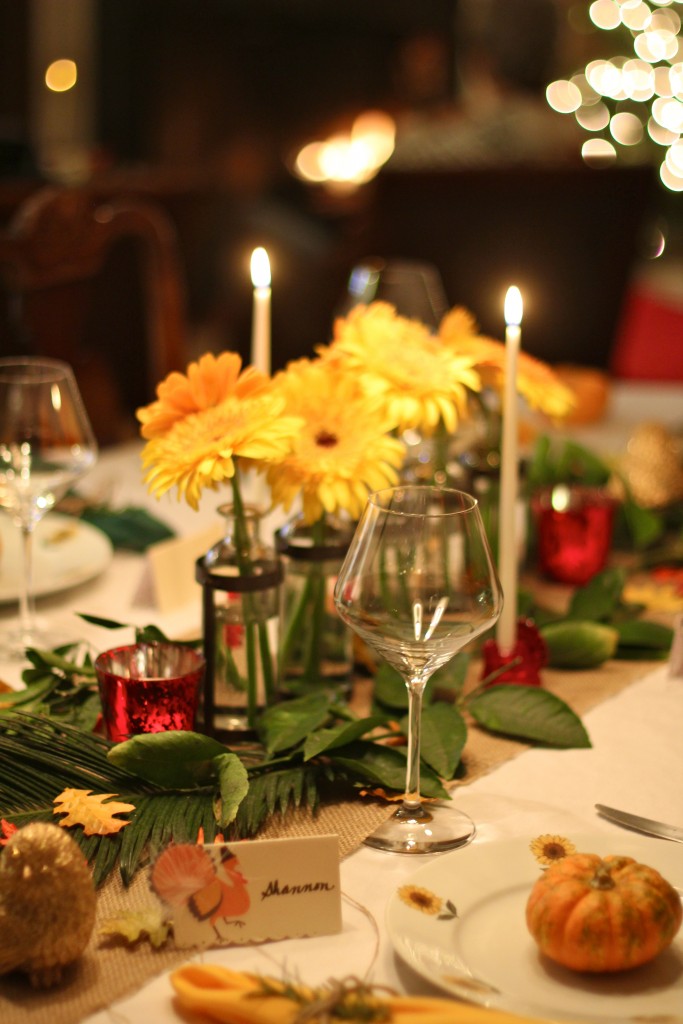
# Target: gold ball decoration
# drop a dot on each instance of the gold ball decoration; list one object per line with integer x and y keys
{"x": 652, "y": 466}
{"x": 47, "y": 903}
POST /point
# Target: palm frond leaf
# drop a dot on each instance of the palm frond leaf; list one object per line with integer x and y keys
{"x": 40, "y": 757}
{"x": 276, "y": 791}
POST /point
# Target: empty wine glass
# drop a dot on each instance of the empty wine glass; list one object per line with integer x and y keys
{"x": 418, "y": 583}
{"x": 46, "y": 442}
{"x": 412, "y": 287}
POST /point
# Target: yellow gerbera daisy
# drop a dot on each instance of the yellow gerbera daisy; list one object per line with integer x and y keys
{"x": 420, "y": 380}
{"x": 207, "y": 383}
{"x": 344, "y": 450}
{"x": 541, "y": 387}
{"x": 200, "y": 449}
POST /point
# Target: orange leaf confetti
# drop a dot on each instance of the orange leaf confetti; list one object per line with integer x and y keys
{"x": 83, "y": 807}
{"x": 8, "y": 830}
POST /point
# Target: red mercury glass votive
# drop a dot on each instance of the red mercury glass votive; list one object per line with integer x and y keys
{"x": 522, "y": 665}
{"x": 149, "y": 687}
{"x": 574, "y": 527}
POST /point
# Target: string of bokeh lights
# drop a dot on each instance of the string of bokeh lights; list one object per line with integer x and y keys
{"x": 633, "y": 100}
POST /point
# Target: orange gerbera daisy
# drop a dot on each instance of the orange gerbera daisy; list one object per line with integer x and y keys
{"x": 208, "y": 382}
{"x": 420, "y": 381}
{"x": 541, "y": 387}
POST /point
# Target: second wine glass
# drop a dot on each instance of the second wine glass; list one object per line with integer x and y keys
{"x": 418, "y": 584}
{"x": 46, "y": 443}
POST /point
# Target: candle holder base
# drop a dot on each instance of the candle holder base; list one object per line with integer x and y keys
{"x": 522, "y": 664}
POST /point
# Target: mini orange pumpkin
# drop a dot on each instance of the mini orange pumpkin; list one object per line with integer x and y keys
{"x": 602, "y": 914}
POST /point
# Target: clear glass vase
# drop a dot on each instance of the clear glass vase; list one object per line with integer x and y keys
{"x": 316, "y": 647}
{"x": 241, "y": 578}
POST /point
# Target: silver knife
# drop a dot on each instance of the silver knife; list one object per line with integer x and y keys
{"x": 638, "y": 824}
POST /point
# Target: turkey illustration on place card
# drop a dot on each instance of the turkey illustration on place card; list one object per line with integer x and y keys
{"x": 223, "y": 894}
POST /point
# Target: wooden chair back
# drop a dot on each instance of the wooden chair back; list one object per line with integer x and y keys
{"x": 100, "y": 284}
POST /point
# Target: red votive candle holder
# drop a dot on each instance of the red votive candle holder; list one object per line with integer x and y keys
{"x": 522, "y": 665}
{"x": 149, "y": 687}
{"x": 574, "y": 528}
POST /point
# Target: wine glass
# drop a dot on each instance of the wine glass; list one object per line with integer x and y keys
{"x": 417, "y": 584}
{"x": 414, "y": 288}
{"x": 46, "y": 442}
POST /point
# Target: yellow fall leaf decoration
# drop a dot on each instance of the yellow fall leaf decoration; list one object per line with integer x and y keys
{"x": 133, "y": 925}
{"x": 83, "y": 807}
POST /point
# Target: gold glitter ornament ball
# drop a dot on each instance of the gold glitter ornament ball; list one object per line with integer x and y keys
{"x": 47, "y": 903}
{"x": 652, "y": 466}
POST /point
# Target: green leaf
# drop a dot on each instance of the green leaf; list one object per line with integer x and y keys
{"x": 327, "y": 739}
{"x": 450, "y": 678}
{"x": 574, "y": 644}
{"x": 384, "y": 766}
{"x": 599, "y": 599}
{"x": 105, "y": 623}
{"x": 233, "y": 783}
{"x": 34, "y": 692}
{"x": 540, "y": 470}
{"x": 389, "y": 687}
{"x": 572, "y": 462}
{"x": 529, "y": 713}
{"x": 150, "y": 634}
{"x": 284, "y": 725}
{"x": 275, "y": 791}
{"x": 644, "y": 526}
{"x": 640, "y": 654}
{"x": 390, "y": 690}
{"x": 649, "y": 639}
{"x": 443, "y": 734}
{"x": 176, "y": 759}
{"x": 132, "y": 528}
{"x": 578, "y": 463}
{"x": 54, "y": 659}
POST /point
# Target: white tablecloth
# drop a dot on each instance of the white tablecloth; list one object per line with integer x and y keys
{"x": 635, "y": 762}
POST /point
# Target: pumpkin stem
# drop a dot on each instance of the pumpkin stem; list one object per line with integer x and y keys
{"x": 602, "y": 878}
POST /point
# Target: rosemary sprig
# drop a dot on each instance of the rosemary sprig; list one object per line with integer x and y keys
{"x": 339, "y": 999}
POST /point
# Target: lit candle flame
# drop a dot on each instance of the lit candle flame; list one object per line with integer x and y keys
{"x": 513, "y": 306}
{"x": 260, "y": 268}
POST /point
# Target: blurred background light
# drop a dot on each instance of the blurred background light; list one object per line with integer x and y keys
{"x": 632, "y": 102}
{"x": 61, "y": 75}
{"x": 564, "y": 96}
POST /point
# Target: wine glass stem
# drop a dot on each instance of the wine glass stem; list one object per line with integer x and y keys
{"x": 26, "y": 606}
{"x": 411, "y": 799}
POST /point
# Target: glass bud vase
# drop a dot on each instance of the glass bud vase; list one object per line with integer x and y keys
{"x": 241, "y": 579}
{"x": 316, "y": 647}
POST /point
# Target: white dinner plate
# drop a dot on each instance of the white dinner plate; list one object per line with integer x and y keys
{"x": 66, "y": 552}
{"x": 486, "y": 955}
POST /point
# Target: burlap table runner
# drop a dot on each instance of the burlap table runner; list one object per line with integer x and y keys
{"x": 107, "y": 972}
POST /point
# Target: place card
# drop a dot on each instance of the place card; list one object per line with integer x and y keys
{"x": 172, "y": 564}
{"x": 223, "y": 894}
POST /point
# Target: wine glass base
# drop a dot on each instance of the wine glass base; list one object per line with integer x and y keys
{"x": 14, "y": 642}
{"x": 423, "y": 829}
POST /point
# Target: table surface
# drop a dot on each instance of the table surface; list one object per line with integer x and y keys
{"x": 635, "y": 762}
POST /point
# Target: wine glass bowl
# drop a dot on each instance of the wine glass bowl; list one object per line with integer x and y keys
{"x": 417, "y": 585}
{"x": 46, "y": 443}
{"x": 414, "y": 288}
